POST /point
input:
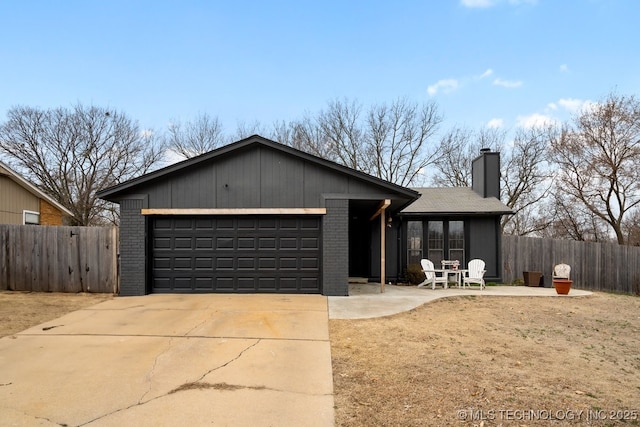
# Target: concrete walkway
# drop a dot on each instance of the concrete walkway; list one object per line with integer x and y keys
{"x": 173, "y": 360}
{"x": 366, "y": 301}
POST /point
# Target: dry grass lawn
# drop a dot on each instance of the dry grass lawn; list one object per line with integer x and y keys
{"x": 464, "y": 361}
{"x": 22, "y": 310}
{"x": 489, "y": 361}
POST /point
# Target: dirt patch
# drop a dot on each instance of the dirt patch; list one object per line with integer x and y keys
{"x": 22, "y": 310}
{"x": 492, "y": 361}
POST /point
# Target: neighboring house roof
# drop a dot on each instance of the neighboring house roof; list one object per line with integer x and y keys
{"x": 113, "y": 192}
{"x": 454, "y": 201}
{"x": 13, "y": 175}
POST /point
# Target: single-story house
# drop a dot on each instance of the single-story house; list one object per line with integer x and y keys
{"x": 259, "y": 216}
{"x": 23, "y": 203}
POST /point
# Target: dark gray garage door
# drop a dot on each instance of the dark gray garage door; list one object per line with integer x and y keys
{"x": 235, "y": 254}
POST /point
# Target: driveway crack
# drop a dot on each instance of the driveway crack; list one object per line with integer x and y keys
{"x": 153, "y": 368}
{"x": 141, "y": 403}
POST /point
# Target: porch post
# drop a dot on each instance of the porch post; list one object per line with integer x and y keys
{"x": 383, "y": 250}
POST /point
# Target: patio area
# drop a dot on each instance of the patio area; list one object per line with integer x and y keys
{"x": 366, "y": 301}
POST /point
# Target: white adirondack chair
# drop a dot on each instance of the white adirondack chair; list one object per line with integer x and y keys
{"x": 561, "y": 271}
{"x": 432, "y": 275}
{"x": 474, "y": 274}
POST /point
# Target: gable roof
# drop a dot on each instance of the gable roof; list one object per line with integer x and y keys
{"x": 254, "y": 140}
{"x": 15, "y": 177}
{"x": 455, "y": 201}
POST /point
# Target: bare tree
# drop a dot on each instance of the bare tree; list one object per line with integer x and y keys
{"x": 599, "y": 159}
{"x": 203, "y": 134}
{"x": 390, "y": 142}
{"x": 245, "y": 130}
{"x": 452, "y": 168}
{"x": 632, "y": 229}
{"x": 526, "y": 181}
{"x": 306, "y": 135}
{"x": 341, "y": 125}
{"x": 566, "y": 218}
{"x": 457, "y": 149}
{"x": 397, "y": 137}
{"x": 72, "y": 153}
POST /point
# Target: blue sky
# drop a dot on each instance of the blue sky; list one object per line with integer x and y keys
{"x": 501, "y": 63}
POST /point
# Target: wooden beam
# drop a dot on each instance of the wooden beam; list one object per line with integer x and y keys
{"x": 238, "y": 211}
{"x": 381, "y": 212}
{"x": 383, "y": 205}
{"x": 383, "y": 250}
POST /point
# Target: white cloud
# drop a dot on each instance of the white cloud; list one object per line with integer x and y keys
{"x": 573, "y": 105}
{"x": 495, "y": 123}
{"x": 535, "y": 120}
{"x": 478, "y": 3}
{"x": 486, "y": 74}
{"x": 446, "y": 86}
{"x": 564, "y": 68}
{"x": 484, "y": 4}
{"x": 146, "y": 133}
{"x": 510, "y": 84}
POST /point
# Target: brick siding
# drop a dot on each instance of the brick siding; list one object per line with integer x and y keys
{"x": 49, "y": 214}
{"x": 335, "y": 248}
{"x": 132, "y": 248}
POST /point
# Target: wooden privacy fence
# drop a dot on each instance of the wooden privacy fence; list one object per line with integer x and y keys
{"x": 58, "y": 259}
{"x": 594, "y": 266}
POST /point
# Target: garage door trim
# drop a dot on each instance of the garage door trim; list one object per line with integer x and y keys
{"x": 237, "y": 211}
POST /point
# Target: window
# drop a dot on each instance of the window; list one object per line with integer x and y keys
{"x": 30, "y": 218}
{"x": 456, "y": 241}
{"x": 445, "y": 240}
{"x": 435, "y": 236}
{"x": 414, "y": 242}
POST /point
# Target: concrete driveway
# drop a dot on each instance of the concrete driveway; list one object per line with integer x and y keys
{"x": 174, "y": 360}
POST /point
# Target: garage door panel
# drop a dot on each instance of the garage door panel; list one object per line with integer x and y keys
{"x": 247, "y": 243}
{"x": 246, "y": 263}
{"x": 226, "y": 242}
{"x": 224, "y": 283}
{"x": 204, "y": 243}
{"x": 205, "y": 264}
{"x": 267, "y": 243}
{"x": 246, "y": 254}
{"x": 224, "y": 224}
{"x": 312, "y": 243}
{"x": 310, "y": 264}
{"x": 225, "y": 263}
{"x": 162, "y": 243}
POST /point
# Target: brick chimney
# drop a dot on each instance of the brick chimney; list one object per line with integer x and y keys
{"x": 485, "y": 174}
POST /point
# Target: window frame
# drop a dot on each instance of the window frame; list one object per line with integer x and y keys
{"x": 24, "y": 217}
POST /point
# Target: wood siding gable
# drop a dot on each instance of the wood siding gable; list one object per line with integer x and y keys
{"x": 252, "y": 176}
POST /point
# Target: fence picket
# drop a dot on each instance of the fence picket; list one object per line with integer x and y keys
{"x": 594, "y": 266}
{"x": 58, "y": 259}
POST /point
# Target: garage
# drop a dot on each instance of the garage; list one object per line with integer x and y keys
{"x": 255, "y": 216}
{"x": 252, "y": 254}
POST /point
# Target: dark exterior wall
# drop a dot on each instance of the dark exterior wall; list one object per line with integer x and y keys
{"x": 258, "y": 177}
{"x": 482, "y": 240}
{"x": 255, "y": 176}
{"x": 132, "y": 248}
{"x": 485, "y": 173}
{"x": 484, "y": 243}
{"x": 335, "y": 248}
